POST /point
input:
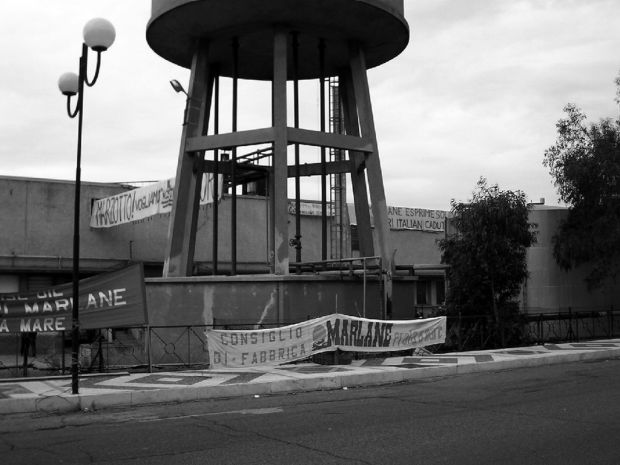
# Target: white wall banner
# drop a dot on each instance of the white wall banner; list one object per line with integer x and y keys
{"x": 416, "y": 218}
{"x": 144, "y": 202}
{"x": 310, "y": 208}
{"x": 243, "y": 348}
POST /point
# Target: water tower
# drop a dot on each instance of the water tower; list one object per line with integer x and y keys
{"x": 280, "y": 41}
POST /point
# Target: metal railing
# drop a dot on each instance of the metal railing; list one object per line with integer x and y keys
{"x": 140, "y": 348}
{"x": 477, "y": 332}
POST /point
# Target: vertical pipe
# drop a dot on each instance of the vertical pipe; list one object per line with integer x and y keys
{"x": 342, "y": 193}
{"x": 233, "y": 214}
{"x": 216, "y": 181}
{"x": 323, "y": 160}
{"x": 267, "y": 222}
{"x": 216, "y": 208}
{"x": 297, "y": 161}
{"x": 233, "y": 229}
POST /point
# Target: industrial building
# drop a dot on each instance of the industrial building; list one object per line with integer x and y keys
{"x": 37, "y": 228}
{"x": 36, "y": 246}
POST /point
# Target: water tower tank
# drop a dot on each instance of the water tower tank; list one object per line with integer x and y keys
{"x": 378, "y": 26}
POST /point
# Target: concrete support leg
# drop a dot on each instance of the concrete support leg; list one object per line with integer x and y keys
{"x": 373, "y": 167}
{"x": 182, "y": 230}
{"x": 279, "y": 211}
{"x": 358, "y": 175}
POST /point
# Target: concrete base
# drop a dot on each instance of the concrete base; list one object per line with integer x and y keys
{"x": 270, "y": 299}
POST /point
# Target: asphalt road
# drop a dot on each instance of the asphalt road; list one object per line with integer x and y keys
{"x": 559, "y": 414}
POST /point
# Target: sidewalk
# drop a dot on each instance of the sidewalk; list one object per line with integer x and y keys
{"x": 126, "y": 390}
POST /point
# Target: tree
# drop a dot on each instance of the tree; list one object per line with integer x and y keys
{"x": 487, "y": 253}
{"x": 585, "y": 166}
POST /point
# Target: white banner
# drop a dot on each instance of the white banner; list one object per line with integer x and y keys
{"x": 234, "y": 349}
{"x": 416, "y": 218}
{"x": 144, "y": 202}
{"x": 310, "y": 208}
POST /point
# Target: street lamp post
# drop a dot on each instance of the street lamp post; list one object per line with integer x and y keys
{"x": 99, "y": 35}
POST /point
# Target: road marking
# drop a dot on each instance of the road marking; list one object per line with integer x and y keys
{"x": 251, "y": 411}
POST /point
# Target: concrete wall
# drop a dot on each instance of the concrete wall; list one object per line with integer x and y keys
{"x": 416, "y": 247}
{"x": 549, "y": 288}
{"x": 37, "y": 235}
{"x": 37, "y": 230}
{"x": 37, "y": 223}
{"x": 270, "y": 300}
{"x": 255, "y": 299}
{"x": 37, "y": 218}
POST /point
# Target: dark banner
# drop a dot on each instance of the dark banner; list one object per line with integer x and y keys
{"x": 109, "y": 300}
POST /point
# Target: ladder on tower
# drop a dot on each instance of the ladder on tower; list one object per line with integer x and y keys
{"x": 339, "y": 234}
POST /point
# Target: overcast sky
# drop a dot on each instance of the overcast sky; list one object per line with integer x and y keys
{"x": 476, "y": 93}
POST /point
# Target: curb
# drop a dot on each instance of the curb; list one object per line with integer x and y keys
{"x": 330, "y": 381}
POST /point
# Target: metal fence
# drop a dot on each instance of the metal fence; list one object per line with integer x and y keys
{"x": 185, "y": 347}
{"x": 477, "y": 332}
{"x": 139, "y": 348}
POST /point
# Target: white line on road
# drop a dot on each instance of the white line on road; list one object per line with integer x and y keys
{"x": 251, "y": 411}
